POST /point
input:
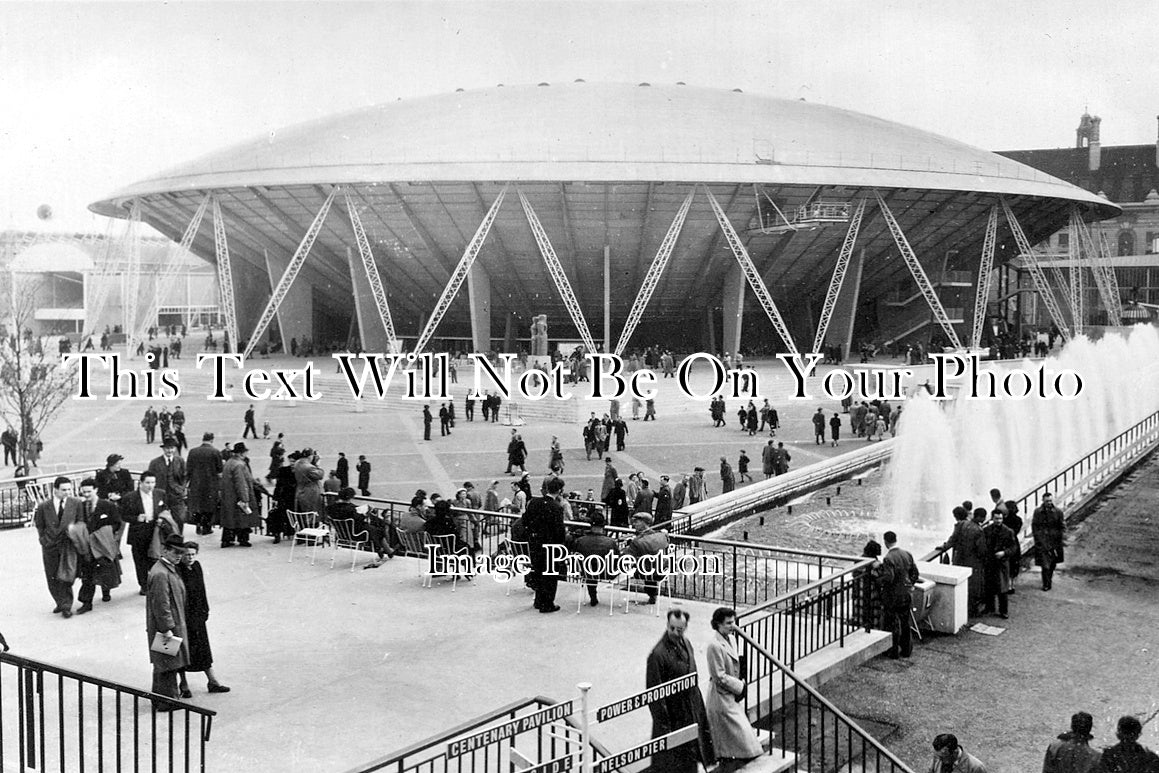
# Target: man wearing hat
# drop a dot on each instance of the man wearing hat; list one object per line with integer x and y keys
{"x": 165, "y": 616}
{"x": 697, "y": 487}
{"x": 647, "y": 542}
{"x": 309, "y": 477}
{"x": 204, "y": 467}
{"x": 239, "y": 507}
{"x": 171, "y": 481}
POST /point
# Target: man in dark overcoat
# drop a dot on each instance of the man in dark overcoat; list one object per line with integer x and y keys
{"x": 1048, "y": 526}
{"x": 543, "y": 520}
{"x": 969, "y": 546}
{"x": 1000, "y": 545}
{"x": 671, "y": 658}
{"x": 898, "y": 575}
{"x": 171, "y": 481}
{"x": 204, "y": 468}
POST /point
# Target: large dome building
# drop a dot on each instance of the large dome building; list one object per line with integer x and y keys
{"x": 605, "y": 172}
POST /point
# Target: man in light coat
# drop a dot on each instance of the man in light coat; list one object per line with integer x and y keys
{"x": 165, "y": 615}
{"x": 308, "y": 476}
{"x": 239, "y": 506}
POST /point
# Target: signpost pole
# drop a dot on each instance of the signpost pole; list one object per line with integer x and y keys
{"x": 585, "y": 727}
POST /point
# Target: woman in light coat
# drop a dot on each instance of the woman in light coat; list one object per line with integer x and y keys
{"x": 733, "y": 736}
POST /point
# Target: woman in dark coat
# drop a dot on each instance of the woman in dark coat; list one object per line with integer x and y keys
{"x": 617, "y": 502}
{"x": 196, "y": 615}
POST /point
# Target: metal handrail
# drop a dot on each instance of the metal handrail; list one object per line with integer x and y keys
{"x": 804, "y": 590}
{"x": 397, "y": 759}
{"x": 34, "y": 699}
{"x": 801, "y": 685}
{"x": 1144, "y": 432}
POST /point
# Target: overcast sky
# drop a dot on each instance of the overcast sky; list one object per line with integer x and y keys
{"x": 99, "y": 95}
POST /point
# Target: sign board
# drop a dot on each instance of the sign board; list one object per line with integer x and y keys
{"x": 635, "y": 754}
{"x": 558, "y": 765}
{"x": 510, "y": 729}
{"x": 642, "y": 699}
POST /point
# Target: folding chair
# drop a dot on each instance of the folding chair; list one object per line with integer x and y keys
{"x": 447, "y": 543}
{"x": 517, "y": 548}
{"x": 346, "y": 537}
{"x": 308, "y": 529}
{"x": 415, "y": 544}
{"x": 662, "y": 588}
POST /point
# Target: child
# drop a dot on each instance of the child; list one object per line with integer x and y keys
{"x": 265, "y": 430}
{"x": 742, "y": 467}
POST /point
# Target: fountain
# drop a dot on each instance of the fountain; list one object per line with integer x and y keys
{"x": 948, "y": 451}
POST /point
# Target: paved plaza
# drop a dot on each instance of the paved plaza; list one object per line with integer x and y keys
{"x": 330, "y": 668}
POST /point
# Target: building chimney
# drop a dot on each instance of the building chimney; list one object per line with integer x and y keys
{"x": 1095, "y": 147}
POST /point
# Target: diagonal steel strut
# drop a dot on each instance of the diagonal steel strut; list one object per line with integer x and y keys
{"x": 371, "y": 268}
{"x": 224, "y": 275}
{"x": 1036, "y": 273}
{"x": 133, "y": 276}
{"x": 460, "y": 273}
{"x": 919, "y": 274}
{"x": 750, "y": 272}
{"x": 652, "y": 278}
{"x": 290, "y": 274}
{"x": 1076, "y": 273}
{"x": 984, "y": 270}
{"x": 838, "y": 279}
{"x": 172, "y": 267}
{"x": 557, "y": 274}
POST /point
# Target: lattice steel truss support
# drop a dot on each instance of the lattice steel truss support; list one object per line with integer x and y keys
{"x": 372, "y": 275}
{"x": 1036, "y": 273}
{"x": 460, "y": 273}
{"x": 100, "y": 280}
{"x": 750, "y": 272}
{"x": 1104, "y": 265}
{"x": 171, "y": 267}
{"x": 655, "y": 271}
{"x": 919, "y": 274}
{"x": 132, "y": 277}
{"x": 985, "y": 269}
{"x": 1074, "y": 253}
{"x": 838, "y": 278}
{"x": 555, "y": 268}
{"x": 290, "y": 274}
{"x": 225, "y": 275}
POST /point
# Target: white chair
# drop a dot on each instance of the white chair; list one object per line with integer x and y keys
{"x": 308, "y": 529}
{"x": 415, "y": 544}
{"x": 517, "y": 549}
{"x": 634, "y": 582}
{"x": 346, "y": 537}
{"x": 447, "y": 543}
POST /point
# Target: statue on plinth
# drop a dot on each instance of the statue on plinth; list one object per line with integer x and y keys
{"x": 539, "y": 336}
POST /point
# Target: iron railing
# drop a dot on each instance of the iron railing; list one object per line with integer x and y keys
{"x": 52, "y": 718}
{"x": 803, "y": 723}
{"x": 19, "y": 496}
{"x": 543, "y": 743}
{"x": 814, "y": 615}
{"x": 1081, "y": 481}
{"x": 749, "y": 573}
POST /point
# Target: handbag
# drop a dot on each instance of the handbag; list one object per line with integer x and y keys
{"x": 166, "y": 647}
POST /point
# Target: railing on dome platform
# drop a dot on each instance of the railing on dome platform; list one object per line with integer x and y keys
{"x": 751, "y": 574}
{"x": 52, "y": 718}
{"x": 1080, "y": 482}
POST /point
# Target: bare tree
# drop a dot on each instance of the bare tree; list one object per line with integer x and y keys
{"x": 33, "y": 382}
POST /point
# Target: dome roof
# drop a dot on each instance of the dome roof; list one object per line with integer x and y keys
{"x": 604, "y": 132}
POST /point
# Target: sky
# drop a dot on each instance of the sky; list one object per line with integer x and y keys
{"x": 96, "y": 95}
